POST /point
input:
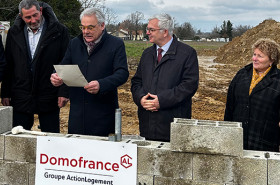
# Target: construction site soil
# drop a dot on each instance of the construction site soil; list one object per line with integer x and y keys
{"x": 217, "y": 69}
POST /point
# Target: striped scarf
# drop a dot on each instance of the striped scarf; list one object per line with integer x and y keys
{"x": 256, "y": 78}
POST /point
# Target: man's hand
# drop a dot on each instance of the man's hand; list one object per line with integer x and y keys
{"x": 92, "y": 87}
{"x": 6, "y": 101}
{"x": 62, "y": 101}
{"x": 150, "y": 102}
{"x": 56, "y": 80}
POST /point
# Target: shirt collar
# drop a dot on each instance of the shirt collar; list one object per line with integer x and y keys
{"x": 166, "y": 46}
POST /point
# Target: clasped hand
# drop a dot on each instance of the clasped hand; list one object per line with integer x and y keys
{"x": 150, "y": 102}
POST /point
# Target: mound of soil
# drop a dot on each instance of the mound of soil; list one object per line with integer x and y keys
{"x": 239, "y": 51}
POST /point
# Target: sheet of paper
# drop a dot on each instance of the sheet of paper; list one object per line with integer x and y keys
{"x": 71, "y": 75}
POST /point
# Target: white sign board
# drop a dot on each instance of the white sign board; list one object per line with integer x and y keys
{"x": 67, "y": 161}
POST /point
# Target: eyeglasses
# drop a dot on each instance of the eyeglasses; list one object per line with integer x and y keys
{"x": 152, "y": 29}
{"x": 89, "y": 27}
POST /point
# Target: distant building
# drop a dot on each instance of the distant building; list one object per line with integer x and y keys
{"x": 126, "y": 35}
{"x": 121, "y": 34}
{"x": 140, "y": 35}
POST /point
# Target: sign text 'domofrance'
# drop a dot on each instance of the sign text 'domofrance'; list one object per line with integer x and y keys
{"x": 81, "y": 163}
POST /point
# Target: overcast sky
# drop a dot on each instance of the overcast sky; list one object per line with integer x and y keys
{"x": 203, "y": 15}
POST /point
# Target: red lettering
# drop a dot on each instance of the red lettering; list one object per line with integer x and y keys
{"x": 85, "y": 163}
{"x": 101, "y": 165}
{"x": 62, "y": 161}
{"x": 75, "y": 161}
{"x": 124, "y": 161}
{"x": 91, "y": 165}
{"x": 108, "y": 169}
{"x": 53, "y": 160}
{"x": 46, "y": 158}
{"x": 115, "y": 167}
{"x": 80, "y": 161}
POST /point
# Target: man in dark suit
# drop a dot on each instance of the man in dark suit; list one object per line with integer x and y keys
{"x": 165, "y": 80}
{"x": 34, "y": 44}
{"x": 102, "y": 59}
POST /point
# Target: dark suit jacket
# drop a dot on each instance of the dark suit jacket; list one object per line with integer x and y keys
{"x": 94, "y": 114}
{"x": 174, "y": 80}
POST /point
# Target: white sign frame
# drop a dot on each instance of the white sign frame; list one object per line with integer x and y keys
{"x": 68, "y": 161}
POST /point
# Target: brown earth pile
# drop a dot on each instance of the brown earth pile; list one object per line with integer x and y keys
{"x": 239, "y": 49}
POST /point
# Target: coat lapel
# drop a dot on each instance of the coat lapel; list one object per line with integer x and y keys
{"x": 22, "y": 43}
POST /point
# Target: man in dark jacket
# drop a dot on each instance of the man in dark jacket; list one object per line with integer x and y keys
{"x": 2, "y": 59}
{"x": 165, "y": 80}
{"x": 34, "y": 44}
{"x": 102, "y": 60}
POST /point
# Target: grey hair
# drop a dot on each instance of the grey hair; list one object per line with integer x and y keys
{"x": 94, "y": 11}
{"x": 27, "y": 4}
{"x": 165, "y": 21}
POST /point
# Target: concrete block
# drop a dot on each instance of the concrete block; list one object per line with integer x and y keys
{"x": 6, "y": 119}
{"x": 98, "y": 138}
{"x": 273, "y": 168}
{"x": 251, "y": 169}
{"x": 145, "y": 158}
{"x": 156, "y": 158}
{"x": 171, "y": 181}
{"x": 13, "y": 173}
{"x": 31, "y": 173}
{"x": 20, "y": 147}
{"x": 207, "y": 137}
{"x": 145, "y": 179}
{"x": 213, "y": 168}
{"x": 2, "y": 146}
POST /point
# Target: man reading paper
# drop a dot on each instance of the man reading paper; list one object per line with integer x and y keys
{"x": 102, "y": 60}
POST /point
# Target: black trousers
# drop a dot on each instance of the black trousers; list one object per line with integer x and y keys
{"x": 49, "y": 121}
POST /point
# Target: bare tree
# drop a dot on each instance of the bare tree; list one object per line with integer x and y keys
{"x": 128, "y": 26}
{"x": 185, "y": 31}
{"x": 215, "y": 34}
{"x": 239, "y": 30}
{"x": 135, "y": 21}
{"x": 110, "y": 15}
{"x": 90, "y": 3}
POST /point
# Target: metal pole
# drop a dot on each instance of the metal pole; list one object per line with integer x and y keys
{"x": 118, "y": 124}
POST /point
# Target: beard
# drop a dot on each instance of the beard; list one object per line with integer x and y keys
{"x": 36, "y": 25}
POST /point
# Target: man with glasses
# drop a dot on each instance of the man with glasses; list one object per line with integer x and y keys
{"x": 35, "y": 42}
{"x": 102, "y": 60}
{"x": 165, "y": 80}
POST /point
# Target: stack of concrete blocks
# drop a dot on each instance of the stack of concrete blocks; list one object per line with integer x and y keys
{"x": 160, "y": 163}
{"x": 204, "y": 152}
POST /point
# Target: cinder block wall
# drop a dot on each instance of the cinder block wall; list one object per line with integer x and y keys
{"x": 189, "y": 159}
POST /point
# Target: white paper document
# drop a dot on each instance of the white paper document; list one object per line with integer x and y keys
{"x": 71, "y": 75}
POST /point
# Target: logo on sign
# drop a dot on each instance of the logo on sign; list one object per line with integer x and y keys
{"x": 125, "y": 161}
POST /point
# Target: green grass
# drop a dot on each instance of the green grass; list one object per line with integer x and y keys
{"x": 134, "y": 49}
